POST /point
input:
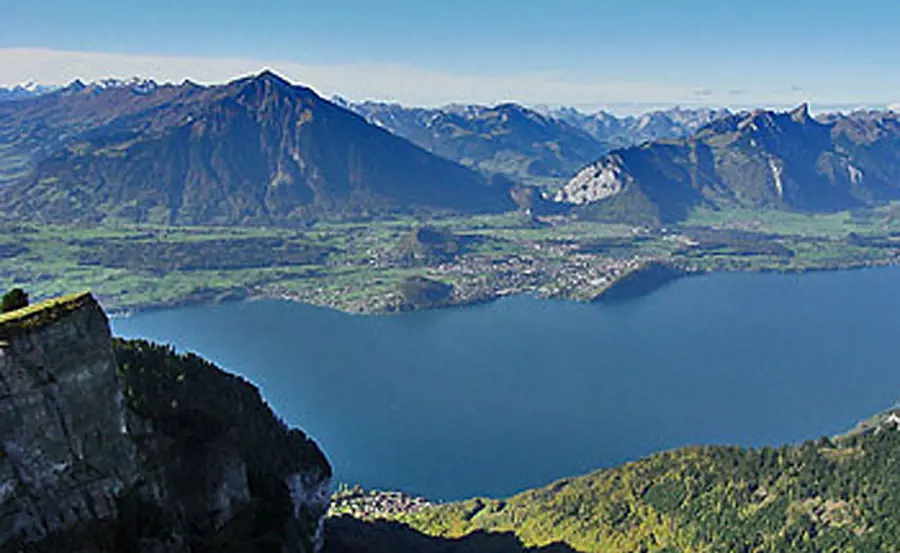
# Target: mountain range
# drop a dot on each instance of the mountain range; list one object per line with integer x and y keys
{"x": 758, "y": 159}
{"x": 257, "y": 150}
{"x": 508, "y": 139}
{"x": 536, "y": 147}
{"x": 627, "y": 130}
{"x": 541, "y": 146}
{"x": 29, "y": 89}
{"x": 260, "y": 150}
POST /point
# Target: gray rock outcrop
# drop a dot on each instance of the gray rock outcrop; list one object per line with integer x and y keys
{"x": 79, "y": 466}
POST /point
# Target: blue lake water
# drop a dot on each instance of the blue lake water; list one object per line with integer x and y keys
{"x": 493, "y": 399}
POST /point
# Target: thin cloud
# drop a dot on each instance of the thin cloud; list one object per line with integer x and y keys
{"x": 406, "y": 84}
{"x": 392, "y": 82}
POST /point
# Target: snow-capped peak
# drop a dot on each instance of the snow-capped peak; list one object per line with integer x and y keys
{"x": 136, "y": 84}
{"x": 24, "y": 90}
{"x": 32, "y": 88}
{"x": 339, "y": 100}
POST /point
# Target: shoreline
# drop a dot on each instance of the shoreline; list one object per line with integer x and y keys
{"x": 115, "y": 312}
{"x": 377, "y": 504}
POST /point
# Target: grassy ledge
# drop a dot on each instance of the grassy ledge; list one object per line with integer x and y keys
{"x": 42, "y": 313}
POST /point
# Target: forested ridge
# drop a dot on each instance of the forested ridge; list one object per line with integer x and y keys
{"x": 824, "y": 495}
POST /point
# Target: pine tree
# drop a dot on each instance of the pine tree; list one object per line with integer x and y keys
{"x": 14, "y": 299}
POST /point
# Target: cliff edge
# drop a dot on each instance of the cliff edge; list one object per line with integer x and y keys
{"x": 113, "y": 445}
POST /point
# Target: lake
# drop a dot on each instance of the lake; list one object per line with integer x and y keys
{"x": 493, "y": 399}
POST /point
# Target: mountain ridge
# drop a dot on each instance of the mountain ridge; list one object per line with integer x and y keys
{"x": 490, "y": 139}
{"x": 626, "y": 130}
{"x": 260, "y": 150}
{"x": 822, "y": 495}
{"x": 758, "y": 159}
{"x": 507, "y": 139}
{"x": 179, "y": 154}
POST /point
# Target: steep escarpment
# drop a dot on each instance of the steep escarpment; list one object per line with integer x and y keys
{"x": 127, "y": 446}
{"x": 227, "y": 464}
{"x": 66, "y": 456}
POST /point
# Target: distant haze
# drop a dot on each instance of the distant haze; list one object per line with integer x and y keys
{"x": 406, "y": 84}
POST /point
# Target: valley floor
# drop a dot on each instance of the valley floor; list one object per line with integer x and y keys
{"x": 359, "y": 267}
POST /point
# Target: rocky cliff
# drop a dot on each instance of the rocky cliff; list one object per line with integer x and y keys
{"x": 65, "y": 452}
{"x": 126, "y": 446}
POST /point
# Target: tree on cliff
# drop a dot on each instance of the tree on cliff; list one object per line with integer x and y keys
{"x": 14, "y": 299}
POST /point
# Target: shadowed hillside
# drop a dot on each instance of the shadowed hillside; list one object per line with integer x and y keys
{"x": 349, "y": 535}
{"x": 825, "y": 495}
{"x": 257, "y": 150}
{"x": 760, "y": 159}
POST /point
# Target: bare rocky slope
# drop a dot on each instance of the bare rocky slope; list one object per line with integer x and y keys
{"x": 126, "y": 446}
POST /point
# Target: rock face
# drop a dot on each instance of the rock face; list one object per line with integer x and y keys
{"x": 101, "y": 453}
{"x": 600, "y": 180}
{"x": 65, "y": 454}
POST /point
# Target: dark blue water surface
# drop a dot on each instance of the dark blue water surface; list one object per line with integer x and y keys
{"x": 493, "y": 399}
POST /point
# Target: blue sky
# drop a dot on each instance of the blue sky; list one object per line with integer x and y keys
{"x": 562, "y": 51}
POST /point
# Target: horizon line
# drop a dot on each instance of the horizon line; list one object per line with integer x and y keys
{"x": 642, "y": 107}
{"x": 412, "y": 85}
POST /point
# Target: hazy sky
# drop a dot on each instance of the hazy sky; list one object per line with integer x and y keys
{"x": 724, "y": 52}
